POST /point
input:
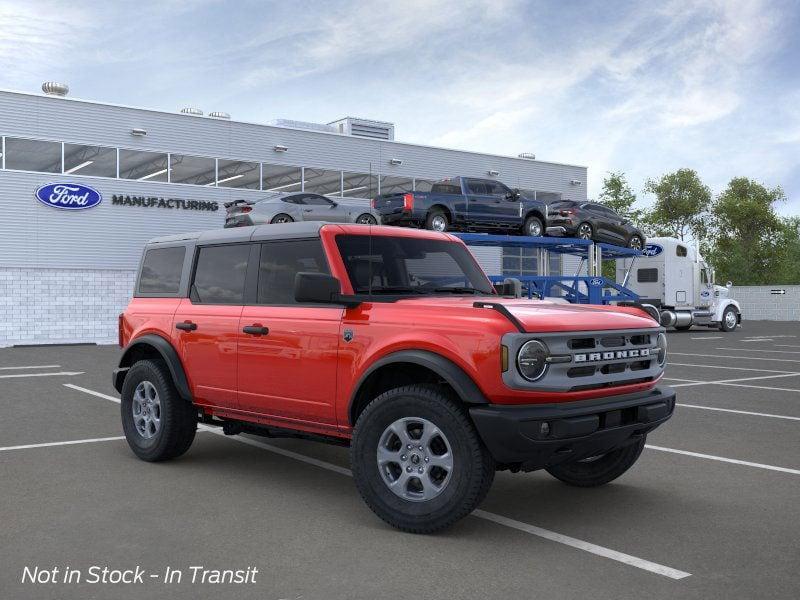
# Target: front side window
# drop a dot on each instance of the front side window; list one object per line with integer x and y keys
{"x": 281, "y": 262}
{"x": 477, "y": 187}
{"x": 408, "y": 266}
{"x": 495, "y": 188}
{"x": 681, "y": 251}
{"x": 161, "y": 271}
{"x": 220, "y": 274}
{"x": 33, "y": 155}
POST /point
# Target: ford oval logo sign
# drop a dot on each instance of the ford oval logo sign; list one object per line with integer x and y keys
{"x": 652, "y": 250}
{"x": 596, "y": 282}
{"x": 68, "y": 196}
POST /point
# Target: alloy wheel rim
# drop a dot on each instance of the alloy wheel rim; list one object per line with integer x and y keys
{"x": 439, "y": 223}
{"x": 281, "y": 220}
{"x": 534, "y": 229}
{"x": 146, "y": 410}
{"x": 415, "y": 459}
{"x": 366, "y": 220}
{"x": 636, "y": 243}
{"x": 730, "y": 318}
{"x": 584, "y": 232}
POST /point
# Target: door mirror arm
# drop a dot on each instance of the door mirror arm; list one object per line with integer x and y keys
{"x": 321, "y": 288}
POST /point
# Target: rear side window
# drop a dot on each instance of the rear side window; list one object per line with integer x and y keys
{"x": 280, "y": 262}
{"x": 220, "y": 274}
{"x": 647, "y": 275}
{"x": 446, "y": 187}
{"x": 161, "y": 271}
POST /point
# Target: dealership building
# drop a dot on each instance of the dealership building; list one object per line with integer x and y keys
{"x": 65, "y": 275}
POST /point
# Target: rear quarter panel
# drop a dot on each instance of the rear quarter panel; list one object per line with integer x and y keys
{"x": 148, "y": 315}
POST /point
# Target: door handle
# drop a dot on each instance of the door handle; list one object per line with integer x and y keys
{"x": 186, "y": 326}
{"x": 308, "y": 210}
{"x": 255, "y": 330}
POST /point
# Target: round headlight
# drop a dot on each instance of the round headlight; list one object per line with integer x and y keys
{"x": 661, "y": 346}
{"x": 532, "y": 360}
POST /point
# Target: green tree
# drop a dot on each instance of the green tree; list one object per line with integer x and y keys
{"x": 751, "y": 244}
{"x": 618, "y": 196}
{"x": 681, "y": 206}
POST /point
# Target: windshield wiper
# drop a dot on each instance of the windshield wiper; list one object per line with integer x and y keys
{"x": 393, "y": 289}
{"x": 458, "y": 290}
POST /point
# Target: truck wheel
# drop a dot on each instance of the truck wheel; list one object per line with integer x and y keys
{"x": 598, "y": 470}
{"x": 158, "y": 423}
{"x": 417, "y": 460}
{"x": 585, "y": 231}
{"x": 635, "y": 242}
{"x": 437, "y": 220}
{"x": 282, "y": 218}
{"x": 729, "y": 320}
{"x": 533, "y": 227}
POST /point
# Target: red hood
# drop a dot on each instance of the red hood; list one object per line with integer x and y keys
{"x": 541, "y": 316}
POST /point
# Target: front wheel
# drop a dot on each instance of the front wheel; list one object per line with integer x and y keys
{"x": 635, "y": 242}
{"x": 729, "y": 320}
{"x": 533, "y": 227}
{"x": 585, "y": 231}
{"x": 417, "y": 460}
{"x": 599, "y": 470}
{"x": 158, "y": 423}
{"x": 366, "y": 219}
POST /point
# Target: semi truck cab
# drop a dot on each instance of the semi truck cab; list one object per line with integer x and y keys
{"x": 672, "y": 276}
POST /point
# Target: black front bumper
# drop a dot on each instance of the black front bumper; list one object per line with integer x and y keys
{"x": 538, "y": 436}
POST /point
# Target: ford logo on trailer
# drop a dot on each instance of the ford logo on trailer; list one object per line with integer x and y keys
{"x": 68, "y": 196}
{"x": 652, "y": 250}
{"x": 596, "y": 282}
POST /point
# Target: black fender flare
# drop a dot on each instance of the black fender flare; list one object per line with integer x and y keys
{"x": 462, "y": 384}
{"x": 167, "y": 352}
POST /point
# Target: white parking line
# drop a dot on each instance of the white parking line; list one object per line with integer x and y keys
{"x": 691, "y": 382}
{"x": 64, "y": 373}
{"x": 747, "y": 358}
{"x": 758, "y": 340}
{"x": 582, "y": 545}
{"x": 31, "y": 367}
{"x": 726, "y": 460}
{"x": 67, "y": 443}
{"x": 731, "y": 368}
{"x": 634, "y": 561}
{"x": 739, "y": 412}
{"x": 770, "y": 351}
{"x": 708, "y": 337}
{"x": 787, "y": 346}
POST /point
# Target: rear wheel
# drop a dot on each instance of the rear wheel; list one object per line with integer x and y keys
{"x": 635, "y": 242}
{"x": 282, "y": 218}
{"x": 584, "y": 231}
{"x": 729, "y": 320}
{"x": 417, "y": 460}
{"x": 367, "y": 219}
{"x": 599, "y": 470}
{"x": 158, "y": 423}
{"x": 533, "y": 227}
{"x": 437, "y": 220}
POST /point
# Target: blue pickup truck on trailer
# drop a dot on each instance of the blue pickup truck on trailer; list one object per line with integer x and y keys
{"x": 465, "y": 204}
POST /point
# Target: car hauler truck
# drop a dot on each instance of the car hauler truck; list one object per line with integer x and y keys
{"x": 672, "y": 276}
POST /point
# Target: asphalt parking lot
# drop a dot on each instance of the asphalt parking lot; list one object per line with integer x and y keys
{"x": 710, "y": 510}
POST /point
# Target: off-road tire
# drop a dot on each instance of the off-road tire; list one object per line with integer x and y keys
{"x": 433, "y": 215}
{"x": 723, "y": 326}
{"x": 282, "y": 218}
{"x": 178, "y": 416}
{"x": 473, "y": 467}
{"x": 530, "y": 223}
{"x": 606, "y": 468}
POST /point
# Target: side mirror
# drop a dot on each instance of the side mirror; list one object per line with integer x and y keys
{"x": 320, "y": 288}
{"x": 334, "y": 204}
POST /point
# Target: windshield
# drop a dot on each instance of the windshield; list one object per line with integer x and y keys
{"x": 409, "y": 266}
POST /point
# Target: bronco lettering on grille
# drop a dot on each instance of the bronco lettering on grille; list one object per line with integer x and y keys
{"x": 616, "y": 355}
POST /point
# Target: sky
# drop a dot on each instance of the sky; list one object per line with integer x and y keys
{"x": 639, "y": 87}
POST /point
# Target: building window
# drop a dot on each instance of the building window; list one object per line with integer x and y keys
{"x": 280, "y": 178}
{"x": 33, "y": 155}
{"x": 359, "y": 185}
{"x": 144, "y": 166}
{"x": 238, "y": 174}
{"x": 322, "y": 181}
{"x": 396, "y": 185}
{"x": 98, "y": 161}
{"x": 195, "y": 170}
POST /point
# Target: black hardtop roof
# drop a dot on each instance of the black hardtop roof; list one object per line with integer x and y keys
{"x": 274, "y": 231}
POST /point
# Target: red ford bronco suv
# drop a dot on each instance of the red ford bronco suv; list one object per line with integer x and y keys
{"x": 392, "y": 341}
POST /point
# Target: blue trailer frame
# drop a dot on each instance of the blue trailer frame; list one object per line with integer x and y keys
{"x": 578, "y": 289}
